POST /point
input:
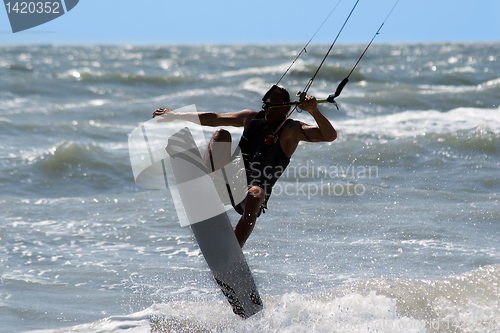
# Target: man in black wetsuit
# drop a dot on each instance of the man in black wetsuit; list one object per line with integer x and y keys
{"x": 265, "y": 156}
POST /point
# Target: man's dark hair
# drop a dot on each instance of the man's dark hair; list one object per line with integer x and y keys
{"x": 279, "y": 91}
{"x": 283, "y": 93}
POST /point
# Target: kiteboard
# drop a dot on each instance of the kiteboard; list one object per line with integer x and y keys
{"x": 210, "y": 225}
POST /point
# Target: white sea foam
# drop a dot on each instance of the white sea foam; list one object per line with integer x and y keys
{"x": 289, "y": 313}
{"x": 414, "y": 123}
{"x": 490, "y": 83}
{"x": 466, "y": 303}
{"x": 278, "y": 69}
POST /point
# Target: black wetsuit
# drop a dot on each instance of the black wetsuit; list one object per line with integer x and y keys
{"x": 264, "y": 163}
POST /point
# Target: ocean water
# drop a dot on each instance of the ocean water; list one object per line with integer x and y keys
{"x": 393, "y": 227}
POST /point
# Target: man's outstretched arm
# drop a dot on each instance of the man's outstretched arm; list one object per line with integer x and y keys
{"x": 237, "y": 119}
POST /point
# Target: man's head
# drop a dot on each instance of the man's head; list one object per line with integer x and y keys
{"x": 276, "y": 95}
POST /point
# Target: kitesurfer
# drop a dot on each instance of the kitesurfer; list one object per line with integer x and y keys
{"x": 269, "y": 140}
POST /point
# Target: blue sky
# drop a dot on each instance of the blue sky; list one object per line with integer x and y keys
{"x": 262, "y": 21}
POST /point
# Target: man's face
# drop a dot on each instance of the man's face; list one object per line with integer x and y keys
{"x": 278, "y": 114}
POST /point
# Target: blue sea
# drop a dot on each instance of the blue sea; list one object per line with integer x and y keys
{"x": 393, "y": 227}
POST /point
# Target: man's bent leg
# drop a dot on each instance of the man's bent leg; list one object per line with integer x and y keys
{"x": 254, "y": 200}
{"x": 218, "y": 153}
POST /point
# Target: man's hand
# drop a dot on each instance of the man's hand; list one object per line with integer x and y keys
{"x": 309, "y": 104}
{"x": 165, "y": 114}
